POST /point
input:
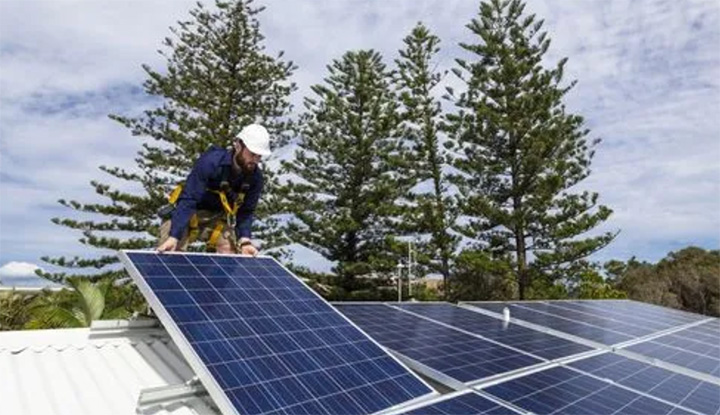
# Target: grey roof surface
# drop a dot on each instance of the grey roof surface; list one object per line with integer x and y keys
{"x": 90, "y": 371}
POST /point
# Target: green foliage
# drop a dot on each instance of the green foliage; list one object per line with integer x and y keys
{"x": 544, "y": 288}
{"x": 587, "y": 282}
{"x": 520, "y": 152}
{"x": 86, "y": 302}
{"x": 687, "y": 279}
{"x": 15, "y": 309}
{"x": 345, "y": 162}
{"x": 424, "y": 292}
{"x": 478, "y": 277}
{"x": 218, "y": 78}
{"x": 593, "y": 286}
{"x": 382, "y": 289}
{"x": 428, "y": 213}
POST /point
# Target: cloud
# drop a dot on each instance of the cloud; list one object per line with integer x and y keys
{"x": 305, "y": 257}
{"x": 18, "y": 269}
{"x": 649, "y": 86}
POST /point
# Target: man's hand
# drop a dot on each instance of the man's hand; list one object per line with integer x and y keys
{"x": 169, "y": 245}
{"x": 247, "y": 248}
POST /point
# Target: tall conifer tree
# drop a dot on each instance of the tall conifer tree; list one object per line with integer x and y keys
{"x": 218, "y": 78}
{"x": 523, "y": 153}
{"x": 345, "y": 187}
{"x": 430, "y": 211}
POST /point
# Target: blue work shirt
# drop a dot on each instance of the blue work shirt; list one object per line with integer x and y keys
{"x": 207, "y": 174}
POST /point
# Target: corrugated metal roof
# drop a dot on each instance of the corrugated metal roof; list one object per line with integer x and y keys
{"x": 87, "y": 371}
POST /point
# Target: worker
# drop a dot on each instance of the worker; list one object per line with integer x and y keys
{"x": 217, "y": 202}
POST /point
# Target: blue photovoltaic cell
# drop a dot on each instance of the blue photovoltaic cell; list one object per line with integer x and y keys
{"x": 461, "y": 356}
{"x": 528, "y": 340}
{"x": 563, "y": 391}
{"x": 682, "y": 390}
{"x": 271, "y": 344}
{"x": 469, "y": 403}
{"x": 605, "y": 335}
{"x": 696, "y": 348}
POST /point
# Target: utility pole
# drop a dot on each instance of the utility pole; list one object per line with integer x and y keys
{"x": 410, "y": 262}
{"x": 399, "y": 281}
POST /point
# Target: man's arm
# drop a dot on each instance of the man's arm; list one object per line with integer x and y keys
{"x": 245, "y": 217}
{"x": 192, "y": 193}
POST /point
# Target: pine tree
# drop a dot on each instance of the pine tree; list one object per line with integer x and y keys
{"x": 430, "y": 211}
{"x": 522, "y": 151}
{"x": 218, "y": 79}
{"x": 343, "y": 192}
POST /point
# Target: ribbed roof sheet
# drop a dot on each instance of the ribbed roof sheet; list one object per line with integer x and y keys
{"x": 76, "y": 371}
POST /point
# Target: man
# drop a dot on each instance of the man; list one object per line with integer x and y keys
{"x": 219, "y": 197}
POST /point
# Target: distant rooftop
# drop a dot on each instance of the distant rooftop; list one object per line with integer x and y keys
{"x": 27, "y": 283}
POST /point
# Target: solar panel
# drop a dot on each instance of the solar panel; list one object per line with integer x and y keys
{"x": 608, "y": 322}
{"x": 538, "y": 343}
{"x": 465, "y": 403}
{"x": 264, "y": 343}
{"x": 625, "y": 325}
{"x": 648, "y": 315}
{"x": 677, "y": 388}
{"x": 460, "y": 356}
{"x": 560, "y": 390}
{"x": 696, "y": 348}
{"x": 607, "y": 335}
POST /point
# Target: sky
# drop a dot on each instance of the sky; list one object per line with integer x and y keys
{"x": 648, "y": 77}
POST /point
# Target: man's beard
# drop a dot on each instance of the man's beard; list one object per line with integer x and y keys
{"x": 247, "y": 168}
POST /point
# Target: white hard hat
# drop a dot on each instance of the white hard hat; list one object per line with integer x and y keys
{"x": 256, "y": 139}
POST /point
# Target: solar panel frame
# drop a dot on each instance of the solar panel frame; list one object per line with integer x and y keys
{"x": 465, "y": 402}
{"x": 202, "y": 371}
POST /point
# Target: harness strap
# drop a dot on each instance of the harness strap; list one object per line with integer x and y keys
{"x": 215, "y": 235}
{"x": 175, "y": 194}
{"x": 230, "y": 215}
{"x": 194, "y": 228}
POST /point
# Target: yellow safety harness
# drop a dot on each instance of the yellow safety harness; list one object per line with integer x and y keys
{"x": 230, "y": 215}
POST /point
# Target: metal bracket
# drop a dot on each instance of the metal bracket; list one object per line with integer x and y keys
{"x": 118, "y": 328}
{"x": 161, "y": 395}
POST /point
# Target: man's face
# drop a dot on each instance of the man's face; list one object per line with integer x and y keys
{"x": 247, "y": 160}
